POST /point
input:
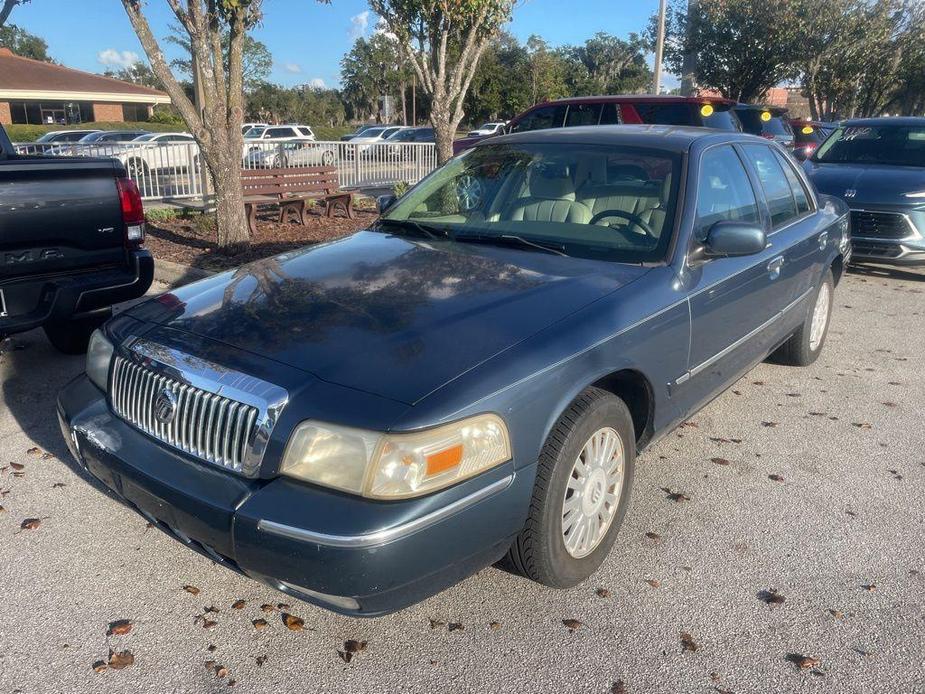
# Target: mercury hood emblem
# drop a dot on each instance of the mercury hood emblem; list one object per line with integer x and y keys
{"x": 165, "y": 406}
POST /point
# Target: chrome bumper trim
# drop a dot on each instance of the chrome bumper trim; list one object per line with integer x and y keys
{"x": 382, "y": 537}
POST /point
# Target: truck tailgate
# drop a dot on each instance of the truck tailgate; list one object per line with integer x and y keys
{"x": 59, "y": 214}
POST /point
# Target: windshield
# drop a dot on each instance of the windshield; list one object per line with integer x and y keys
{"x": 721, "y": 119}
{"x": 145, "y": 138}
{"x": 373, "y": 132}
{"x": 403, "y": 136}
{"x": 488, "y": 126}
{"x": 894, "y": 145}
{"x": 606, "y": 203}
{"x": 254, "y": 133}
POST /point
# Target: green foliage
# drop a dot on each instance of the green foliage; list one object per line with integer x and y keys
{"x": 161, "y": 214}
{"x": 373, "y": 68}
{"x": 24, "y": 44}
{"x": 322, "y": 109}
{"x": 167, "y": 115}
{"x": 606, "y": 64}
{"x": 138, "y": 73}
{"x": 400, "y": 188}
{"x": 205, "y": 224}
{"x": 30, "y": 133}
{"x": 257, "y": 61}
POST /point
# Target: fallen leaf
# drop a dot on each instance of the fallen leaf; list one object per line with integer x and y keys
{"x": 870, "y": 587}
{"x": 2, "y": 510}
{"x": 30, "y": 524}
{"x": 618, "y": 687}
{"x": 776, "y": 478}
{"x": 602, "y": 593}
{"x": 771, "y": 597}
{"x": 769, "y": 424}
{"x": 434, "y": 623}
{"x": 57, "y": 485}
{"x": 494, "y": 626}
{"x": 572, "y": 624}
{"x": 690, "y": 424}
{"x": 120, "y": 660}
{"x": 803, "y": 662}
{"x": 260, "y": 624}
{"x": 120, "y": 627}
{"x": 654, "y": 582}
{"x": 192, "y": 590}
{"x": 655, "y": 537}
{"x": 260, "y": 660}
{"x": 100, "y": 666}
{"x": 720, "y": 439}
{"x": 35, "y": 450}
{"x": 889, "y": 404}
{"x": 861, "y": 425}
{"x": 719, "y": 461}
{"x": 211, "y": 648}
{"x": 210, "y": 665}
{"x": 221, "y": 671}
{"x": 687, "y": 642}
{"x": 455, "y": 626}
{"x": 238, "y": 604}
{"x": 675, "y": 496}
{"x": 283, "y": 606}
{"x": 210, "y": 608}
{"x": 17, "y": 466}
{"x": 293, "y": 623}
{"x": 208, "y": 623}
{"x": 351, "y": 648}
{"x": 266, "y": 607}
{"x": 838, "y": 614}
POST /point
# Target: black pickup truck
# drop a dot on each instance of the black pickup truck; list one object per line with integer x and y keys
{"x": 71, "y": 235}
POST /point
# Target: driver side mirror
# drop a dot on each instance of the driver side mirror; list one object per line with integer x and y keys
{"x": 729, "y": 239}
{"x": 384, "y": 202}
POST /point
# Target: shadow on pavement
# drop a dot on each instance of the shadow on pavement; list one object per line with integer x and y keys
{"x": 889, "y": 272}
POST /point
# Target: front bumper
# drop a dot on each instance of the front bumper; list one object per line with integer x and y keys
{"x": 888, "y": 252}
{"x": 345, "y": 553}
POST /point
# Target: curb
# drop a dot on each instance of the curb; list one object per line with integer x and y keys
{"x": 176, "y": 275}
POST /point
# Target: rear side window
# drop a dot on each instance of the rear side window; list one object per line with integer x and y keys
{"x": 722, "y": 120}
{"x": 583, "y": 114}
{"x": 774, "y": 183}
{"x": 278, "y": 132}
{"x": 610, "y": 114}
{"x": 666, "y": 114}
{"x": 724, "y": 192}
{"x": 306, "y": 131}
{"x": 800, "y": 196}
{"x": 541, "y": 118}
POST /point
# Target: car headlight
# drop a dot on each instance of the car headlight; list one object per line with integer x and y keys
{"x": 99, "y": 354}
{"x": 395, "y": 466}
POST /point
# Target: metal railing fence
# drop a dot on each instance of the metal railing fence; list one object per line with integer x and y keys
{"x": 166, "y": 171}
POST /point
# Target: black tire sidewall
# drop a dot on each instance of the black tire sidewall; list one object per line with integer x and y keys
{"x": 566, "y": 570}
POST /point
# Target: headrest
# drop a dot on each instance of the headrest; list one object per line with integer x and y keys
{"x": 551, "y": 182}
{"x": 591, "y": 171}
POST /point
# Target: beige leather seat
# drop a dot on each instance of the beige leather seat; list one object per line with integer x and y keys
{"x": 644, "y": 199}
{"x": 551, "y": 198}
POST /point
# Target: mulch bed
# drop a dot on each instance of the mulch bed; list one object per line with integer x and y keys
{"x": 191, "y": 241}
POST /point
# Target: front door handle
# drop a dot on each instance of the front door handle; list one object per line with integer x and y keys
{"x": 823, "y": 240}
{"x": 774, "y": 267}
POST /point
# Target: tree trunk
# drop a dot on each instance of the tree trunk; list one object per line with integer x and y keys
{"x": 444, "y": 131}
{"x": 231, "y": 220}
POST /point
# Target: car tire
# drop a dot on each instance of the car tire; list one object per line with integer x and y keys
{"x": 542, "y": 550}
{"x": 805, "y": 345}
{"x": 137, "y": 170}
{"x": 327, "y": 158}
{"x": 73, "y": 336}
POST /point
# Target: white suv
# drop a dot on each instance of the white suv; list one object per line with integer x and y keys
{"x": 280, "y": 132}
{"x": 285, "y": 146}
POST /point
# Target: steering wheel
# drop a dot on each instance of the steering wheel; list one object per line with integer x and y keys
{"x": 633, "y": 219}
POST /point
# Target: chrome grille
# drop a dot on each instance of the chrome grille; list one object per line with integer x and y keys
{"x": 206, "y": 425}
{"x": 880, "y": 225}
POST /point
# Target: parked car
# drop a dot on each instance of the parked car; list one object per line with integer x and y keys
{"x": 278, "y": 132}
{"x": 808, "y": 135}
{"x": 71, "y": 235}
{"x": 409, "y": 136}
{"x": 487, "y": 129}
{"x": 247, "y": 126}
{"x": 359, "y": 131}
{"x": 770, "y": 122}
{"x": 374, "y": 136}
{"x": 472, "y": 377}
{"x": 288, "y": 153}
{"x": 156, "y": 152}
{"x": 103, "y": 142}
{"x": 58, "y": 136}
{"x": 109, "y": 136}
{"x": 877, "y": 166}
{"x": 706, "y": 111}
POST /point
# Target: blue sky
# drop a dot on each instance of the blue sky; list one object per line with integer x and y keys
{"x": 306, "y": 39}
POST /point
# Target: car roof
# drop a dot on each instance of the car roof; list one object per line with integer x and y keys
{"x": 641, "y": 98}
{"x": 885, "y": 120}
{"x": 673, "y": 138}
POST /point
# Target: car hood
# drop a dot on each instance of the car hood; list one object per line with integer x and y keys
{"x": 390, "y": 315}
{"x": 873, "y": 184}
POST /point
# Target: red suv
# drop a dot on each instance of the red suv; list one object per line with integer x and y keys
{"x": 702, "y": 111}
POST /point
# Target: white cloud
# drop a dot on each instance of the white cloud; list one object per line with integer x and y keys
{"x": 382, "y": 28}
{"x": 358, "y": 24}
{"x": 292, "y": 68}
{"x": 316, "y": 83}
{"x": 113, "y": 58}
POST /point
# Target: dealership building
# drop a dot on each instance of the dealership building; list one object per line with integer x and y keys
{"x": 33, "y": 92}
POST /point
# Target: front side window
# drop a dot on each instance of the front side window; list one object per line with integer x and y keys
{"x": 541, "y": 119}
{"x": 800, "y": 196}
{"x": 583, "y": 114}
{"x": 891, "y": 145}
{"x": 571, "y": 198}
{"x": 724, "y": 192}
{"x": 776, "y": 188}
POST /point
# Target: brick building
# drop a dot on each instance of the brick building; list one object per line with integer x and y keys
{"x": 34, "y": 92}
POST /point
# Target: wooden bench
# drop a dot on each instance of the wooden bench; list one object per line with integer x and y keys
{"x": 291, "y": 189}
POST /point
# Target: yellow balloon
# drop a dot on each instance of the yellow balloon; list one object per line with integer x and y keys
{"x": 765, "y": 116}
{"x": 706, "y": 110}
{"x": 807, "y": 130}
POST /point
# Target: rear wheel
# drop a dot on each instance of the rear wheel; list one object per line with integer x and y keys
{"x": 806, "y": 344}
{"x": 73, "y": 336}
{"x": 583, "y": 483}
{"x": 137, "y": 170}
{"x": 327, "y": 158}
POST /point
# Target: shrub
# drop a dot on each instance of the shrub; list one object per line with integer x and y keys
{"x": 161, "y": 214}
{"x": 400, "y": 188}
{"x": 205, "y": 225}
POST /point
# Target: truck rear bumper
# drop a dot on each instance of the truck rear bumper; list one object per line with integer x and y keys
{"x": 32, "y": 302}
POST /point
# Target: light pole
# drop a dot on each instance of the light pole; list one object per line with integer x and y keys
{"x": 659, "y": 48}
{"x": 689, "y": 64}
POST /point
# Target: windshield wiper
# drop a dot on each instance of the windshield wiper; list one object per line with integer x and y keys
{"x": 425, "y": 229}
{"x": 512, "y": 239}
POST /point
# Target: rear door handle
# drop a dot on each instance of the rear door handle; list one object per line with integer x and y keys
{"x": 774, "y": 267}
{"x": 823, "y": 240}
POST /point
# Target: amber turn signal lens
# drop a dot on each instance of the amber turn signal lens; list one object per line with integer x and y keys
{"x": 444, "y": 460}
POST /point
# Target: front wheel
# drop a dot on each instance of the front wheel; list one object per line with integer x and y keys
{"x": 73, "y": 336}
{"x": 806, "y": 344}
{"x": 583, "y": 482}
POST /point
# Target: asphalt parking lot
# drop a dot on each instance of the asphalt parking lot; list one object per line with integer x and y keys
{"x": 798, "y": 539}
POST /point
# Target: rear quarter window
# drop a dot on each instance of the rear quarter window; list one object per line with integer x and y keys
{"x": 666, "y": 114}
